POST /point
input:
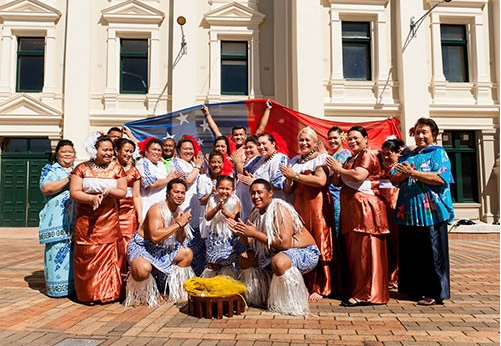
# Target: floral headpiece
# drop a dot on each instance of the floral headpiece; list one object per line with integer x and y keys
{"x": 196, "y": 146}
{"x": 144, "y": 144}
{"x": 233, "y": 145}
{"x": 90, "y": 144}
{"x": 342, "y": 135}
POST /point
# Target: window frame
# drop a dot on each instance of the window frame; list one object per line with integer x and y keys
{"x": 133, "y": 55}
{"x": 367, "y": 41}
{"x": 456, "y": 43}
{"x": 29, "y": 53}
{"x": 235, "y": 58}
{"x": 455, "y": 151}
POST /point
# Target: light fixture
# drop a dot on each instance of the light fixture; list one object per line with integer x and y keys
{"x": 414, "y": 25}
{"x": 182, "y": 21}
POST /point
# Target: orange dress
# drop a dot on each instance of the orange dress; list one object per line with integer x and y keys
{"x": 314, "y": 206}
{"x": 389, "y": 195}
{"x": 364, "y": 226}
{"x": 98, "y": 254}
{"x": 127, "y": 212}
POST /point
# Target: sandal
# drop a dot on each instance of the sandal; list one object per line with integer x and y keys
{"x": 426, "y": 301}
{"x": 353, "y": 302}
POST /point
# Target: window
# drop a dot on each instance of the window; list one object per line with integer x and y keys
{"x": 454, "y": 52}
{"x": 356, "y": 50}
{"x": 133, "y": 66}
{"x": 25, "y": 145}
{"x": 460, "y": 146}
{"x": 30, "y": 64}
{"x": 234, "y": 68}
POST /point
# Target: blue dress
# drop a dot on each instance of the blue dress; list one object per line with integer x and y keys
{"x": 57, "y": 221}
{"x": 422, "y": 213}
{"x": 334, "y": 191}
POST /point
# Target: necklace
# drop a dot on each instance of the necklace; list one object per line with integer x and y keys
{"x": 307, "y": 157}
{"x": 271, "y": 156}
{"x": 95, "y": 167}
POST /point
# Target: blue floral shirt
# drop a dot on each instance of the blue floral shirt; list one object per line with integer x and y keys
{"x": 420, "y": 204}
{"x": 57, "y": 218}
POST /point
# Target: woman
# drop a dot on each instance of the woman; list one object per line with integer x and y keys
{"x": 336, "y": 136}
{"x": 189, "y": 163}
{"x": 249, "y": 165}
{"x": 96, "y": 186}
{"x": 268, "y": 166}
{"x": 307, "y": 178}
{"x": 390, "y": 152}
{"x": 57, "y": 220}
{"x": 222, "y": 145}
{"x": 130, "y": 207}
{"x": 154, "y": 177}
{"x": 424, "y": 207}
{"x": 364, "y": 224}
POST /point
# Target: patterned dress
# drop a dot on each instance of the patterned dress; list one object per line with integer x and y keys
{"x": 269, "y": 170}
{"x": 99, "y": 253}
{"x": 57, "y": 221}
{"x": 197, "y": 245}
{"x": 344, "y": 155}
{"x": 150, "y": 173}
{"x": 223, "y": 246}
{"x": 422, "y": 213}
{"x": 242, "y": 190}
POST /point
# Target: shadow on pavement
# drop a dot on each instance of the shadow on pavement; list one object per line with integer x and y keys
{"x": 36, "y": 281}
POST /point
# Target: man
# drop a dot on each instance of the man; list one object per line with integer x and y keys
{"x": 168, "y": 149}
{"x": 114, "y": 133}
{"x": 238, "y": 133}
{"x": 158, "y": 251}
{"x": 278, "y": 241}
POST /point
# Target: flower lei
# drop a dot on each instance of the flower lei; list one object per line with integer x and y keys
{"x": 143, "y": 144}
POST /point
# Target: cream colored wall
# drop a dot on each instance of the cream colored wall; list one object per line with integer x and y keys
{"x": 298, "y": 62}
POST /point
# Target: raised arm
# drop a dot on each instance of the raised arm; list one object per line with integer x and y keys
{"x": 212, "y": 124}
{"x": 264, "y": 119}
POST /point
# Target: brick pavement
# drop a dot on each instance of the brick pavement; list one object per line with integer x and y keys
{"x": 471, "y": 317}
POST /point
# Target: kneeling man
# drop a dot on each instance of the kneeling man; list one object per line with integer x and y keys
{"x": 157, "y": 253}
{"x": 278, "y": 241}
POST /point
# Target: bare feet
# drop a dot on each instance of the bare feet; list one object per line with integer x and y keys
{"x": 315, "y": 297}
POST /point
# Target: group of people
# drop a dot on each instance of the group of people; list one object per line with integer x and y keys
{"x": 349, "y": 224}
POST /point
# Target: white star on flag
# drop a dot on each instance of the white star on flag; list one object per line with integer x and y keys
{"x": 183, "y": 118}
{"x": 205, "y": 126}
{"x": 168, "y": 135}
{"x": 200, "y": 142}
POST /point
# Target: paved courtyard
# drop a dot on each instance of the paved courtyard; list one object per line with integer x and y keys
{"x": 471, "y": 317}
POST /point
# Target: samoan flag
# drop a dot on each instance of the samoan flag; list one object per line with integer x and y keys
{"x": 283, "y": 121}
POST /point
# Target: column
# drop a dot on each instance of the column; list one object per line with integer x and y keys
{"x": 77, "y": 87}
{"x": 50, "y": 67}
{"x": 307, "y": 26}
{"x": 412, "y": 65}
{"x": 5, "y": 65}
{"x": 337, "y": 78}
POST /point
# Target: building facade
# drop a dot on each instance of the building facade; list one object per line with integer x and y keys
{"x": 68, "y": 67}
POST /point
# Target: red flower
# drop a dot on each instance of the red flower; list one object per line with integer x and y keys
{"x": 143, "y": 144}
{"x": 193, "y": 141}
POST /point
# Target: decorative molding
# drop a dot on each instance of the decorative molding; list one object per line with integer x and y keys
{"x": 234, "y": 14}
{"x": 133, "y": 11}
{"x": 30, "y": 11}
{"x": 459, "y": 3}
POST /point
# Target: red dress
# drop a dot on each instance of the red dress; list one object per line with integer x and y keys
{"x": 98, "y": 253}
{"x": 364, "y": 226}
{"x": 127, "y": 211}
{"x": 313, "y": 204}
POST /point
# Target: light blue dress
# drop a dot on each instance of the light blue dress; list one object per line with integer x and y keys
{"x": 334, "y": 191}
{"x": 420, "y": 204}
{"x": 57, "y": 221}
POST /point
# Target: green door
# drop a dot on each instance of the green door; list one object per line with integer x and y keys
{"x": 20, "y": 166}
{"x": 21, "y": 199}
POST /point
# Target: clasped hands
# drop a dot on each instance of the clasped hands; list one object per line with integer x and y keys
{"x": 184, "y": 218}
{"x": 405, "y": 168}
{"x": 240, "y": 228}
